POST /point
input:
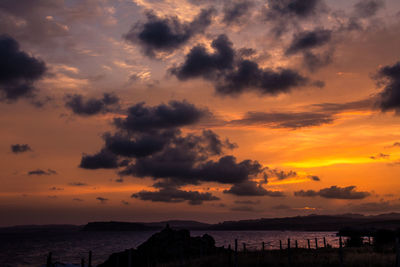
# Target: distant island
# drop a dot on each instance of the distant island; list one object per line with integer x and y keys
{"x": 298, "y": 223}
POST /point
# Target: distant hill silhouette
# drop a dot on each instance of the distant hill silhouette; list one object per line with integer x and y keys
{"x": 152, "y": 226}
{"x": 314, "y": 223}
{"x": 117, "y": 226}
{"x": 180, "y": 224}
{"x": 299, "y": 223}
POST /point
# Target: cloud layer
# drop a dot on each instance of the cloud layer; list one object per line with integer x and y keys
{"x": 334, "y": 192}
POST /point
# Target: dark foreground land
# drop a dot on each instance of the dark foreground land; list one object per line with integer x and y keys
{"x": 352, "y": 257}
{"x": 177, "y": 248}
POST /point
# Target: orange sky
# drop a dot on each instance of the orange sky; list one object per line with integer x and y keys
{"x": 86, "y": 53}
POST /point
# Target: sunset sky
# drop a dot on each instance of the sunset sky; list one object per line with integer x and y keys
{"x": 148, "y": 110}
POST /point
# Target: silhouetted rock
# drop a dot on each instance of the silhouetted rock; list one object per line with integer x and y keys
{"x": 166, "y": 246}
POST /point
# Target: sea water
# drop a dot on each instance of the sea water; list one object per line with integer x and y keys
{"x": 20, "y": 248}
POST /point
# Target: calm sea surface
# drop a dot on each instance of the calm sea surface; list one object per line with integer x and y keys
{"x": 30, "y": 248}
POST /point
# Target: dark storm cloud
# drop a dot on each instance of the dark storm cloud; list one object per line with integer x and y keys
{"x": 314, "y": 178}
{"x": 180, "y": 165}
{"x": 18, "y": 71}
{"x": 56, "y": 188}
{"x": 323, "y": 113}
{"x": 42, "y": 172}
{"x": 151, "y": 144}
{"x": 380, "y": 156}
{"x": 151, "y": 135}
{"x": 251, "y": 188}
{"x": 174, "y": 195}
{"x": 334, "y": 192}
{"x": 284, "y": 14}
{"x": 390, "y": 96}
{"x": 305, "y": 41}
{"x": 314, "y": 61}
{"x": 77, "y": 184}
{"x": 235, "y": 12}
{"x": 200, "y": 63}
{"x": 167, "y": 34}
{"x": 102, "y": 200}
{"x": 249, "y": 76}
{"x": 282, "y": 175}
{"x": 308, "y": 193}
{"x": 308, "y": 39}
{"x": 368, "y": 8}
{"x": 176, "y": 114}
{"x": 20, "y": 148}
{"x": 362, "y": 16}
{"x": 102, "y": 160}
{"x": 299, "y": 8}
{"x": 365, "y": 104}
{"x": 233, "y": 75}
{"x": 91, "y": 106}
{"x": 140, "y": 147}
{"x": 285, "y": 120}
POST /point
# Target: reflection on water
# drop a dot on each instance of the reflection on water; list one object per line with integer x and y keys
{"x": 68, "y": 245}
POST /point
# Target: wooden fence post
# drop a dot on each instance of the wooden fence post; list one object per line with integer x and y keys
{"x": 236, "y": 253}
{"x": 296, "y": 245}
{"x": 229, "y": 255}
{"x": 244, "y": 247}
{"x": 82, "y": 262}
{"x": 324, "y": 242}
{"x": 280, "y": 244}
{"x": 340, "y": 251}
{"x": 90, "y": 259}
{"x": 288, "y": 251}
{"x": 263, "y": 246}
{"x": 308, "y": 242}
{"x": 130, "y": 257}
{"x": 117, "y": 260}
{"x": 49, "y": 262}
{"x": 316, "y": 243}
{"x": 397, "y": 252}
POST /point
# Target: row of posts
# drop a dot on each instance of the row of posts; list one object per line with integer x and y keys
{"x": 50, "y": 264}
{"x": 288, "y": 244}
{"x": 235, "y": 259}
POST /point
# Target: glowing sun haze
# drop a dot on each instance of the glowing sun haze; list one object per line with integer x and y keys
{"x": 147, "y": 110}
